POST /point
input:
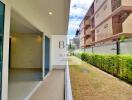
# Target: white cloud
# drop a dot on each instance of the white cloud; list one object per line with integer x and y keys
{"x": 78, "y": 10}
{"x": 79, "y": 7}
{"x": 74, "y": 24}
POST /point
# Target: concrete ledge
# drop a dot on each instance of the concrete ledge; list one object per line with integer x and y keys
{"x": 68, "y": 89}
{"x": 59, "y": 66}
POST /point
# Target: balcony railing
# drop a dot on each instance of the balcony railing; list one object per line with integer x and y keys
{"x": 103, "y": 36}
{"x": 87, "y": 21}
{"x": 88, "y": 41}
{"x": 88, "y": 31}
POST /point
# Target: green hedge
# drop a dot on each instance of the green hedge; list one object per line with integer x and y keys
{"x": 117, "y": 65}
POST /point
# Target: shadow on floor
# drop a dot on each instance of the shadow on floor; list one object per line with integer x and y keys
{"x": 22, "y": 82}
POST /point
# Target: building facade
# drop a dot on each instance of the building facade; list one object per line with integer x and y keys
{"x": 106, "y": 22}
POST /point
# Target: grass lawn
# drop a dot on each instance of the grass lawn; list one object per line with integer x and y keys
{"x": 90, "y": 83}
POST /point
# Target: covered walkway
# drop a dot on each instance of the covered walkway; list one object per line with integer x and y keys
{"x": 20, "y": 85}
{"x": 52, "y": 88}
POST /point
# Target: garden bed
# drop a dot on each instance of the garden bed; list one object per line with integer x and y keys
{"x": 117, "y": 65}
{"x": 90, "y": 83}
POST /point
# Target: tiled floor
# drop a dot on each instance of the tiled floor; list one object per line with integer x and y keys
{"x": 22, "y": 82}
{"x": 52, "y": 88}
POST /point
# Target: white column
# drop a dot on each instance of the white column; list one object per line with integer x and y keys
{"x": 6, "y": 51}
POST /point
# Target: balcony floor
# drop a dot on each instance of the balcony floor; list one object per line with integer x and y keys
{"x": 52, "y": 88}
{"x": 22, "y": 82}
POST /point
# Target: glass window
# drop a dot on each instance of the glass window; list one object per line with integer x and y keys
{"x": 1, "y": 18}
{"x": 2, "y": 10}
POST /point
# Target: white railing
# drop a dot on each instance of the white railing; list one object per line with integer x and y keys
{"x": 68, "y": 89}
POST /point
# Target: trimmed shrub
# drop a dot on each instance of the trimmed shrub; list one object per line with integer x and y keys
{"x": 117, "y": 65}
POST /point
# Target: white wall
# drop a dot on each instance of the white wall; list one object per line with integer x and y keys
{"x": 127, "y": 24}
{"x": 26, "y": 51}
{"x": 88, "y": 50}
{"x": 59, "y": 55}
{"x": 104, "y": 31}
{"x": 126, "y": 2}
{"x": 98, "y": 3}
{"x": 105, "y": 49}
{"x": 103, "y": 13}
{"x": 126, "y": 47}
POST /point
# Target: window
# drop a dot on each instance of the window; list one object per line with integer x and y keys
{"x": 106, "y": 25}
{"x": 2, "y": 11}
{"x": 105, "y": 7}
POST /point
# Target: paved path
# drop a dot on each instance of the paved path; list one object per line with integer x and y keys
{"x": 52, "y": 88}
{"x": 90, "y": 83}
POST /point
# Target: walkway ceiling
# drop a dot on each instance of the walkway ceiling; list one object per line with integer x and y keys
{"x": 36, "y": 12}
{"x": 19, "y": 25}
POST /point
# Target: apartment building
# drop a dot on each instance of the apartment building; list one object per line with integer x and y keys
{"x": 106, "y": 21}
{"x": 30, "y": 32}
{"x": 81, "y": 34}
{"x": 85, "y": 29}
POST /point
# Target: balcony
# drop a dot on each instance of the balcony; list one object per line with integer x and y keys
{"x": 103, "y": 36}
{"x": 92, "y": 23}
{"x": 122, "y": 11}
{"x": 82, "y": 44}
{"x": 87, "y": 21}
{"x": 88, "y": 32}
{"x": 55, "y": 80}
{"x": 88, "y": 41}
{"x": 115, "y": 4}
{"x": 118, "y": 3}
{"x": 113, "y": 37}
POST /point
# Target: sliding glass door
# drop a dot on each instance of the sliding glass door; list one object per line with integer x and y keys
{"x": 47, "y": 55}
{"x": 2, "y": 10}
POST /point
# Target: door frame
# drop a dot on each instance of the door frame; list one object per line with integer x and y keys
{"x": 2, "y": 49}
{"x": 48, "y": 67}
{"x": 43, "y": 57}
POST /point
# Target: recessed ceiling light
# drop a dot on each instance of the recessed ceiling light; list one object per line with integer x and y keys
{"x": 50, "y": 13}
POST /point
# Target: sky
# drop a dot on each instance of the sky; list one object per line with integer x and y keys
{"x": 78, "y": 9}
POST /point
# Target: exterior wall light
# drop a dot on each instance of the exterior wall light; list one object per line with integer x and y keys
{"x": 13, "y": 39}
{"x": 39, "y": 39}
{"x": 50, "y": 13}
